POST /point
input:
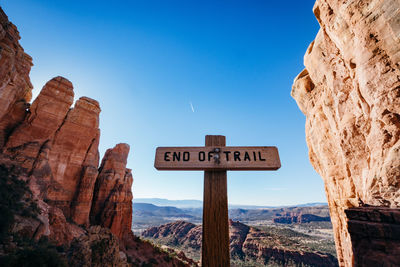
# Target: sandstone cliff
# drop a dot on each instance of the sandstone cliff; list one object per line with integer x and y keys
{"x": 293, "y": 217}
{"x": 15, "y": 84}
{"x": 55, "y": 148}
{"x": 112, "y": 202}
{"x": 350, "y": 94}
{"x": 58, "y": 146}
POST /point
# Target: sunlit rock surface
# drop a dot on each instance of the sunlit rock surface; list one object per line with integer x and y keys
{"x": 54, "y": 142}
{"x": 350, "y": 94}
{"x": 15, "y": 84}
{"x": 112, "y": 203}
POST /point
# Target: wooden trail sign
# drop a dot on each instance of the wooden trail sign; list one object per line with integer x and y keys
{"x": 228, "y": 158}
{"x": 215, "y": 159}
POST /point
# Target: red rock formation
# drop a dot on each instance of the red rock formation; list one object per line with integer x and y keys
{"x": 73, "y": 149}
{"x": 178, "y": 230}
{"x": 112, "y": 202}
{"x": 350, "y": 94}
{"x": 62, "y": 232}
{"x": 237, "y": 237}
{"x": 15, "y": 85}
{"x": 177, "y": 233}
{"x": 57, "y": 146}
{"x": 294, "y": 217}
{"x": 45, "y": 117}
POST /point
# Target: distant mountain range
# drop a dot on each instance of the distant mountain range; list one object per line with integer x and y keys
{"x": 146, "y": 209}
{"x": 192, "y": 203}
{"x": 188, "y": 203}
{"x": 146, "y": 214}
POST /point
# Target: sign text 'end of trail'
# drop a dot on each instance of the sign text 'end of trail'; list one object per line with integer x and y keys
{"x": 217, "y": 158}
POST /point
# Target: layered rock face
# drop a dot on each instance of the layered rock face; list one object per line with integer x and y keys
{"x": 15, "y": 84}
{"x": 112, "y": 203}
{"x": 350, "y": 94}
{"x": 57, "y": 145}
{"x": 55, "y": 148}
{"x": 59, "y": 148}
{"x": 375, "y": 235}
{"x": 293, "y": 217}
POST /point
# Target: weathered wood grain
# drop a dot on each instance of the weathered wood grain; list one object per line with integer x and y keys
{"x": 215, "y": 159}
{"x": 215, "y": 243}
{"x": 231, "y": 158}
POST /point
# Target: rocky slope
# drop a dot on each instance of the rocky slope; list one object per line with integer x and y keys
{"x": 247, "y": 244}
{"x": 275, "y": 213}
{"x": 55, "y": 147}
{"x": 350, "y": 94}
{"x": 291, "y": 217}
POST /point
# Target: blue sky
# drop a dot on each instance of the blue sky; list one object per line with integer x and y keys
{"x": 146, "y": 62}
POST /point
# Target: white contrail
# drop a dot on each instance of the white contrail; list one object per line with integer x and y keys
{"x": 191, "y": 106}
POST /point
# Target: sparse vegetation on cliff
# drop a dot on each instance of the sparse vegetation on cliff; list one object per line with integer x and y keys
{"x": 32, "y": 254}
{"x": 15, "y": 198}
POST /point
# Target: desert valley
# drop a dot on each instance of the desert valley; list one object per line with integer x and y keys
{"x": 280, "y": 236}
{"x": 63, "y": 203}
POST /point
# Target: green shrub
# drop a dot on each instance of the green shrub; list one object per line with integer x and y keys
{"x": 99, "y": 249}
{"x": 29, "y": 257}
{"x": 16, "y": 199}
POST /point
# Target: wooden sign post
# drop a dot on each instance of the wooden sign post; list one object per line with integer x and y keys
{"x": 215, "y": 159}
